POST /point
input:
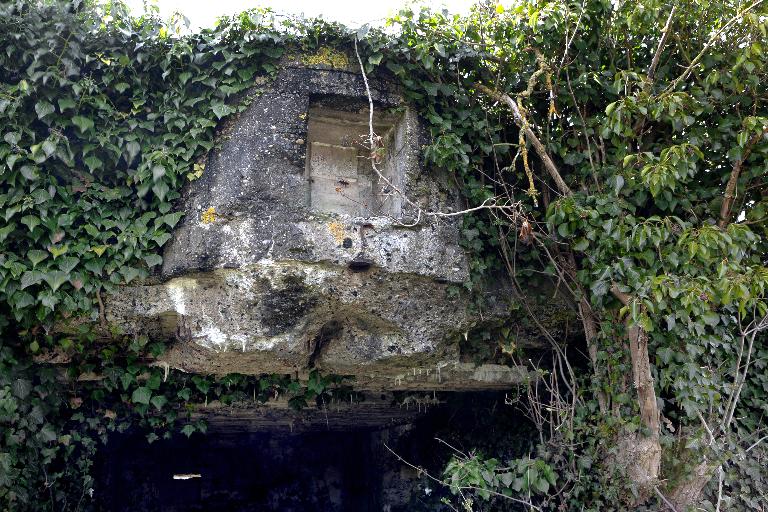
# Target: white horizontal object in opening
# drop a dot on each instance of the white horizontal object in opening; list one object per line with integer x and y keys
{"x": 186, "y": 476}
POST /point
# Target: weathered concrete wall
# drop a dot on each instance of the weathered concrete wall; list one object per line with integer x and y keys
{"x": 256, "y": 280}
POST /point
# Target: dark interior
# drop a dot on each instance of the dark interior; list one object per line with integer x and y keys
{"x": 333, "y": 470}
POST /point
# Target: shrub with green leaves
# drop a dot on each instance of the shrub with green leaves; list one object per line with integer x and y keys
{"x": 633, "y": 136}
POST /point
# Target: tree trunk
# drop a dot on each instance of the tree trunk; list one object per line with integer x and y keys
{"x": 688, "y": 492}
{"x": 640, "y": 452}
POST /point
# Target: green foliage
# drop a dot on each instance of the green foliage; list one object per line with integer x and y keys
{"x": 105, "y": 117}
{"x": 487, "y": 477}
{"x": 100, "y": 126}
{"x": 649, "y": 154}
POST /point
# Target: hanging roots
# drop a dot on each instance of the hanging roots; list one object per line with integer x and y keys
{"x": 531, "y": 192}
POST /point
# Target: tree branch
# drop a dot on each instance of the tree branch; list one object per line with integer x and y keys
{"x": 730, "y": 188}
{"x": 712, "y": 41}
{"x": 662, "y": 41}
{"x": 641, "y": 369}
{"x": 521, "y": 122}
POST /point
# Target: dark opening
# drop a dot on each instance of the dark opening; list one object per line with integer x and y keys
{"x": 245, "y": 472}
{"x": 336, "y": 468}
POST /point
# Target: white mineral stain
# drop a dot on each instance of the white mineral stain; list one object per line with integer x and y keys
{"x": 176, "y": 292}
{"x": 214, "y": 335}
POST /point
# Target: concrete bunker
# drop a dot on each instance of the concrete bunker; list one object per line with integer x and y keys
{"x": 289, "y": 229}
{"x": 270, "y": 282}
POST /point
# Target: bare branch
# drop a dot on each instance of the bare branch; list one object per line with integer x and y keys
{"x": 522, "y": 123}
{"x": 712, "y": 41}
{"x": 665, "y": 500}
{"x": 720, "y": 473}
{"x": 741, "y": 376}
{"x": 755, "y": 444}
{"x": 489, "y": 204}
{"x": 662, "y": 41}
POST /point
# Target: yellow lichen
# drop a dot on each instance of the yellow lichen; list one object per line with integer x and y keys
{"x": 337, "y": 230}
{"x": 208, "y": 216}
{"x": 197, "y": 172}
{"x": 327, "y": 56}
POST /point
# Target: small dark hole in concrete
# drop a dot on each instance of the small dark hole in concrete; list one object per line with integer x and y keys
{"x": 347, "y": 244}
{"x": 360, "y": 264}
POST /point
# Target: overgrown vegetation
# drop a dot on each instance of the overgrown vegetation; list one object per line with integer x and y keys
{"x": 103, "y": 118}
{"x": 629, "y": 137}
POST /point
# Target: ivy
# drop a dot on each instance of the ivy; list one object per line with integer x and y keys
{"x": 105, "y": 117}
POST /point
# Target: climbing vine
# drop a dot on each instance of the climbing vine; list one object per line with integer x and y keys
{"x": 631, "y": 137}
{"x": 105, "y": 117}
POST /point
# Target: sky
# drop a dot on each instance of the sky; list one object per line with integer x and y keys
{"x": 353, "y": 13}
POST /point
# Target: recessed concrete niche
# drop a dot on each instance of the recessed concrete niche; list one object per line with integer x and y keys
{"x": 339, "y": 164}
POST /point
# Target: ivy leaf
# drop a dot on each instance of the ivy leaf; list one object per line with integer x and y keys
{"x": 711, "y": 318}
{"x": 43, "y": 108}
{"x": 41, "y": 195}
{"x": 31, "y": 277}
{"x": 99, "y": 249}
{"x": 31, "y": 221}
{"x": 48, "y": 299}
{"x": 160, "y": 189}
{"x": 220, "y": 110}
{"x": 22, "y": 388}
{"x": 58, "y": 251}
{"x": 36, "y": 256}
{"x": 158, "y": 171}
{"x": 10, "y": 212}
{"x": 154, "y": 381}
{"x": 68, "y": 263}
{"x": 93, "y": 163}
{"x": 47, "y": 433}
{"x": 29, "y": 172}
{"x": 159, "y": 401}
{"x": 172, "y": 219}
{"x": 94, "y": 266}
{"x": 126, "y": 379}
{"x": 55, "y": 278}
{"x": 83, "y": 123}
{"x": 21, "y": 300}
{"x": 188, "y": 430}
{"x": 141, "y": 395}
{"x": 130, "y": 273}
{"x": 618, "y": 183}
{"x": 599, "y": 288}
{"x": 49, "y": 147}
{"x": 12, "y": 138}
{"x": 11, "y": 160}
{"x": 153, "y": 260}
{"x": 132, "y": 148}
{"x": 66, "y": 103}
{"x": 5, "y": 231}
{"x": 581, "y": 245}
